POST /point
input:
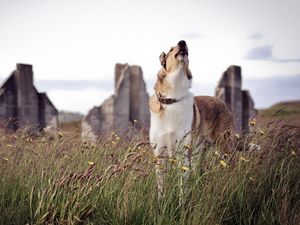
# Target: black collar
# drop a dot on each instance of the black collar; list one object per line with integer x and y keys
{"x": 166, "y": 101}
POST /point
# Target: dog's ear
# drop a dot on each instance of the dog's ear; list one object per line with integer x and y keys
{"x": 162, "y": 59}
{"x": 189, "y": 74}
{"x": 162, "y": 73}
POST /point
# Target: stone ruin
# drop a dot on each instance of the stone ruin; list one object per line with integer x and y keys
{"x": 129, "y": 103}
{"x": 127, "y": 107}
{"x": 230, "y": 91}
{"x": 22, "y": 106}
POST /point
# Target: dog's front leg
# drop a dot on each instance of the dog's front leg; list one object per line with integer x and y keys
{"x": 160, "y": 170}
{"x": 186, "y": 171}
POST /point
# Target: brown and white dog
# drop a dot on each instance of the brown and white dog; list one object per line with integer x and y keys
{"x": 176, "y": 113}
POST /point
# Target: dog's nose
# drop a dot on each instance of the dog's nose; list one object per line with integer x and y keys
{"x": 182, "y": 43}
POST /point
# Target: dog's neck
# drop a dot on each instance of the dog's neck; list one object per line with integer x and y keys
{"x": 166, "y": 101}
{"x": 180, "y": 84}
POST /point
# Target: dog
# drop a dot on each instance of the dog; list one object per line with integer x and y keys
{"x": 176, "y": 114}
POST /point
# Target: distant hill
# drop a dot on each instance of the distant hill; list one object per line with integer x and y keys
{"x": 289, "y": 112}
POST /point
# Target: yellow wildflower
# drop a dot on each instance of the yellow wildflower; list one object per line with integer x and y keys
{"x": 91, "y": 163}
{"x": 253, "y": 122}
{"x": 6, "y": 159}
{"x": 262, "y": 133}
{"x": 217, "y": 153}
{"x": 244, "y": 159}
{"x": 8, "y": 145}
{"x": 237, "y": 136}
{"x": 172, "y": 161}
{"x": 59, "y": 134}
{"x": 187, "y": 146}
{"x": 117, "y": 138}
{"x": 114, "y": 143}
{"x": 252, "y": 179}
{"x": 223, "y": 163}
{"x": 185, "y": 168}
{"x": 293, "y": 153}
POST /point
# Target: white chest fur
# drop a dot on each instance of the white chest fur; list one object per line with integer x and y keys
{"x": 175, "y": 121}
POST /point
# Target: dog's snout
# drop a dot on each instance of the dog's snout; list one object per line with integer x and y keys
{"x": 182, "y": 43}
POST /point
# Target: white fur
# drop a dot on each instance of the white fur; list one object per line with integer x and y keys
{"x": 176, "y": 121}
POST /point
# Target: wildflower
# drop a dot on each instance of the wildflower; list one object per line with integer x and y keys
{"x": 293, "y": 153}
{"x": 217, "y": 153}
{"x": 237, "y": 136}
{"x": 223, "y": 163}
{"x": 187, "y": 146}
{"x": 113, "y": 142}
{"x": 6, "y": 159}
{"x": 252, "y": 179}
{"x": 262, "y": 133}
{"x": 117, "y": 138}
{"x": 8, "y": 145}
{"x": 185, "y": 168}
{"x": 172, "y": 161}
{"x": 91, "y": 163}
{"x": 135, "y": 121}
{"x": 59, "y": 134}
{"x": 253, "y": 122}
{"x": 244, "y": 159}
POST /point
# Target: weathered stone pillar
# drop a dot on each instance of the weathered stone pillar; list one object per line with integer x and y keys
{"x": 249, "y": 111}
{"x": 128, "y": 106}
{"x": 229, "y": 90}
{"x": 139, "y": 109}
{"x": 22, "y": 106}
{"x": 27, "y": 98}
{"x": 121, "y": 108}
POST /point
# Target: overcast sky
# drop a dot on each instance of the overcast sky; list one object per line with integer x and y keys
{"x": 74, "y": 44}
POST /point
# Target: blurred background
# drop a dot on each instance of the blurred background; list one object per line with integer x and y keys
{"x": 73, "y": 45}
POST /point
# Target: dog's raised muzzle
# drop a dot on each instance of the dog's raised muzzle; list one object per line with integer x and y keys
{"x": 182, "y": 44}
{"x": 182, "y": 48}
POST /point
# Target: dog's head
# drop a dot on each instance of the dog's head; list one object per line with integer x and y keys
{"x": 176, "y": 58}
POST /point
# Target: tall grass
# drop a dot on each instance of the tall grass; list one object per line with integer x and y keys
{"x": 65, "y": 181}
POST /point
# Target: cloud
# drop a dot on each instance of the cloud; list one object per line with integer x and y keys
{"x": 266, "y": 53}
{"x": 256, "y": 36}
{"x": 260, "y": 53}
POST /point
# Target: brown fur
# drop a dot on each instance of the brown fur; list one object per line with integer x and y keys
{"x": 162, "y": 86}
{"x": 215, "y": 123}
{"x": 155, "y": 105}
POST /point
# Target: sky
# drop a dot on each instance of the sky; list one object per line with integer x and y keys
{"x": 73, "y": 45}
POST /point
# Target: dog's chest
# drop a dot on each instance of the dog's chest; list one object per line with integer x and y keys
{"x": 175, "y": 117}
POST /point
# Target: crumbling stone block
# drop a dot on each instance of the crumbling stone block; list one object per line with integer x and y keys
{"x": 126, "y": 107}
{"x": 21, "y": 105}
{"x": 230, "y": 91}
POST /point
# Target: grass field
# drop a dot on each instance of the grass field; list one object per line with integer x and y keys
{"x": 62, "y": 180}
